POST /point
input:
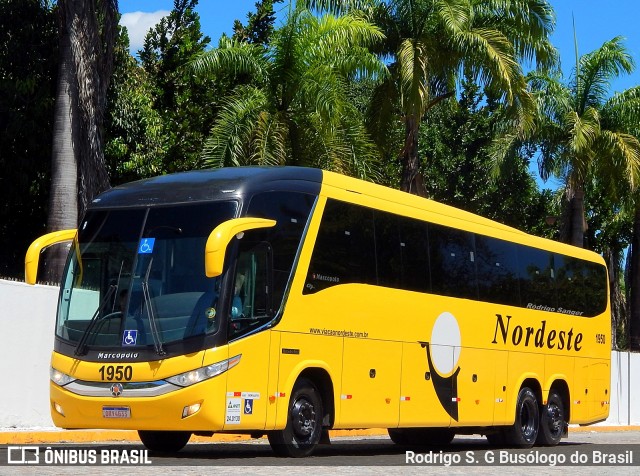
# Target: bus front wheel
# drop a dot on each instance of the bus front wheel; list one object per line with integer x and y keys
{"x": 304, "y": 423}
{"x": 524, "y": 431}
{"x": 164, "y": 441}
{"x": 552, "y": 421}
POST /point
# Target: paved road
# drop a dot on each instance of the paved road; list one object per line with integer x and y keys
{"x": 602, "y": 451}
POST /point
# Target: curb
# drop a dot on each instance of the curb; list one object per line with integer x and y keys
{"x": 56, "y": 436}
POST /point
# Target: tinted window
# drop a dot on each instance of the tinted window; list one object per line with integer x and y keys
{"x": 595, "y": 283}
{"x": 414, "y": 248}
{"x": 344, "y": 251}
{"x": 451, "y": 254}
{"x": 537, "y": 286}
{"x": 291, "y": 212}
{"x": 497, "y": 266}
{"x": 569, "y": 273}
{"x": 388, "y": 250}
{"x": 358, "y": 245}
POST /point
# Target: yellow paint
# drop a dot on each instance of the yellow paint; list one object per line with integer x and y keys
{"x": 32, "y": 257}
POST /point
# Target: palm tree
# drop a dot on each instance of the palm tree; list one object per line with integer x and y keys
{"x": 78, "y": 173}
{"x": 291, "y": 104}
{"x": 431, "y": 42}
{"x": 582, "y": 133}
{"x": 622, "y": 113}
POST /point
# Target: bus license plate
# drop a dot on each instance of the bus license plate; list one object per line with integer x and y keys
{"x": 116, "y": 412}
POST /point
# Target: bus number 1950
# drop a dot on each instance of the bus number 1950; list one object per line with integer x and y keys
{"x": 116, "y": 372}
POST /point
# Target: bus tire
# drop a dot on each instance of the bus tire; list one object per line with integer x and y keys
{"x": 164, "y": 441}
{"x": 552, "y": 421}
{"x": 304, "y": 423}
{"x": 524, "y": 431}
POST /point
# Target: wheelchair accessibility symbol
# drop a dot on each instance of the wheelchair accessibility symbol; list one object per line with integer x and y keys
{"x": 146, "y": 246}
{"x": 130, "y": 337}
{"x": 248, "y": 406}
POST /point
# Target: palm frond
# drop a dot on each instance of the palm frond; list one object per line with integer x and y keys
{"x": 583, "y": 130}
{"x": 233, "y": 57}
{"x": 231, "y": 135}
{"x": 597, "y": 69}
{"x": 623, "y": 152}
{"x": 269, "y": 144}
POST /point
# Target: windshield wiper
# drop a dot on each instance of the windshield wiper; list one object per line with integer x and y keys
{"x": 82, "y": 344}
{"x": 153, "y": 327}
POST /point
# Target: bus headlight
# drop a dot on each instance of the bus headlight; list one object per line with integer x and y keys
{"x": 59, "y": 378}
{"x": 203, "y": 373}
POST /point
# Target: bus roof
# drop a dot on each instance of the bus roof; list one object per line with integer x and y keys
{"x": 210, "y": 184}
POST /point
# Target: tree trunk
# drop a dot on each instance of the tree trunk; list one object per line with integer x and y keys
{"x": 79, "y": 170}
{"x": 577, "y": 218}
{"x": 412, "y": 180}
{"x": 63, "y": 197}
{"x": 634, "y": 284}
{"x": 92, "y": 46}
{"x": 617, "y": 298}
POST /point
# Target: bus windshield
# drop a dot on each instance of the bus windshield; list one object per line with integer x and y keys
{"x": 136, "y": 277}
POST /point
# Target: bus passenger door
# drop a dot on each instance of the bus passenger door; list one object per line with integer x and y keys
{"x": 370, "y": 383}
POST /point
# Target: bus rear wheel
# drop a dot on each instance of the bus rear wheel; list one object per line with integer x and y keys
{"x": 164, "y": 441}
{"x": 552, "y": 421}
{"x": 524, "y": 431}
{"x": 304, "y": 423}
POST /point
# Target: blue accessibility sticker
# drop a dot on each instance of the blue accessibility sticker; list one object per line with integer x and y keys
{"x": 130, "y": 337}
{"x": 146, "y": 246}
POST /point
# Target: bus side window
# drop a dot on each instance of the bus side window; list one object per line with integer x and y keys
{"x": 569, "y": 274}
{"x": 497, "y": 265}
{"x": 537, "y": 283}
{"x": 344, "y": 251}
{"x": 452, "y": 258}
{"x": 251, "y": 303}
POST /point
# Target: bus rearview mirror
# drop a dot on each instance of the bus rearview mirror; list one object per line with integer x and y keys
{"x": 221, "y": 236}
{"x": 32, "y": 258}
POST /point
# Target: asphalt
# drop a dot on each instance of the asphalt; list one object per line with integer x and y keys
{"x": 52, "y": 436}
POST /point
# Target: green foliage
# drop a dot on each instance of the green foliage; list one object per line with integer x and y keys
{"x": 28, "y": 63}
{"x": 291, "y": 106}
{"x": 259, "y": 28}
{"x": 456, "y": 138}
{"x": 160, "y": 112}
{"x": 185, "y": 103}
{"x": 134, "y": 141}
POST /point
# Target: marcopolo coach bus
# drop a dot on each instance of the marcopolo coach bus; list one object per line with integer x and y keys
{"x": 289, "y": 301}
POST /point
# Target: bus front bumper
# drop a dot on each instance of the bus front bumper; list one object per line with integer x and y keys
{"x": 200, "y": 407}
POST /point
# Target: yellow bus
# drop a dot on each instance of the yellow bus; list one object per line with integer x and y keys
{"x": 288, "y": 301}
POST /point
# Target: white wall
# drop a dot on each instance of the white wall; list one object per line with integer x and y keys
{"x": 27, "y": 319}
